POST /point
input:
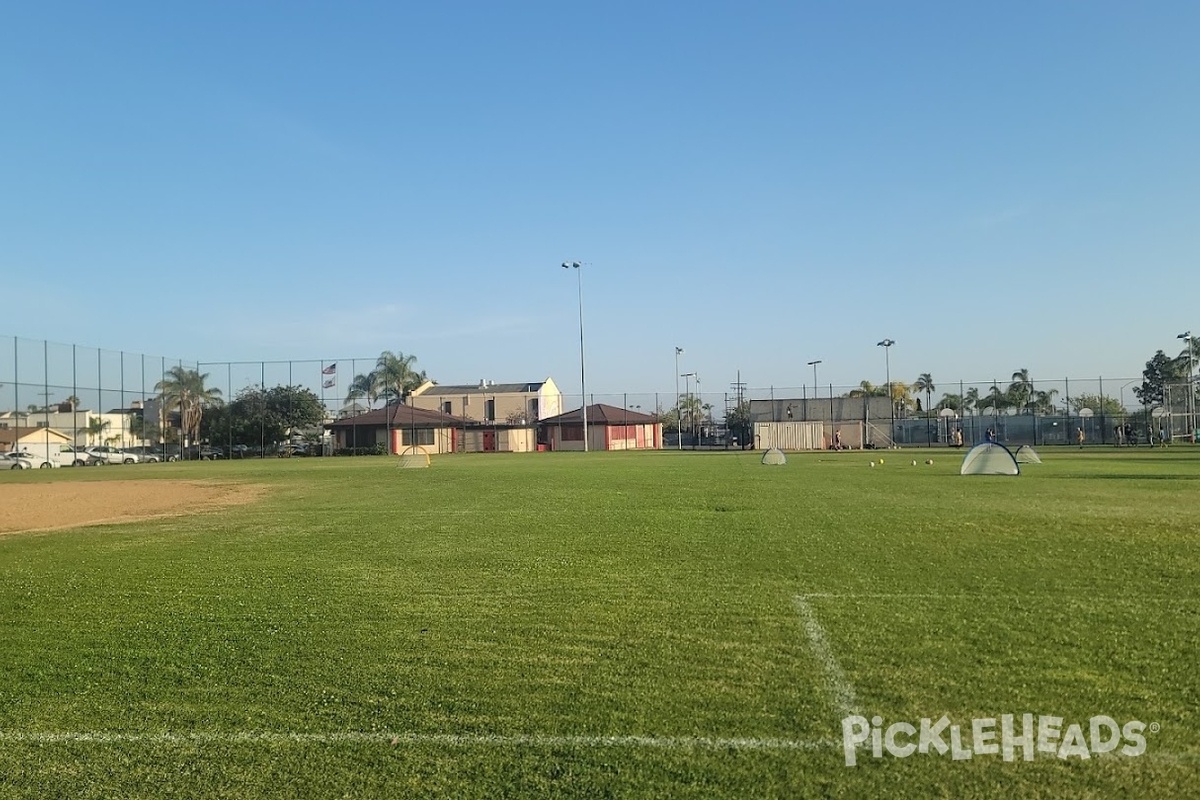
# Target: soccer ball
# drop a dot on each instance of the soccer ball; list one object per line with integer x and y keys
{"x": 872, "y": 463}
{"x": 929, "y": 461}
{"x": 914, "y": 462}
{"x": 881, "y": 461}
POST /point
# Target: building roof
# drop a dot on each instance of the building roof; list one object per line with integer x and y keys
{"x": 11, "y": 435}
{"x": 447, "y": 389}
{"x": 602, "y": 414}
{"x": 401, "y": 416}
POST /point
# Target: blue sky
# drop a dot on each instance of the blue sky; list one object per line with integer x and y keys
{"x": 994, "y": 186}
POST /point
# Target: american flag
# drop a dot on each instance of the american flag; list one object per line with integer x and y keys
{"x": 332, "y": 368}
{"x": 329, "y": 384}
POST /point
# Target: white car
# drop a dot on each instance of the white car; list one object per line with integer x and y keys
{"x": 14, "y": 461}
{"x": 112, "y": 455}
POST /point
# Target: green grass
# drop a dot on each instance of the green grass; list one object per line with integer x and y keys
{"x": 607, "y": 595}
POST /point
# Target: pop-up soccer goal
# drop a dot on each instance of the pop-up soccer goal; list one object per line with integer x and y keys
{"x": 414, "y": 457}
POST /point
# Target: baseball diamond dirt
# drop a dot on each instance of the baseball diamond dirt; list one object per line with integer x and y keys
{"x": 54, "y": 506}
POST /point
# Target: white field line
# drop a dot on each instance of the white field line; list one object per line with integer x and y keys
{"x": 396, "y": 739}
{"x": 1061, "y": 599}
{"x": 839, "y": 686}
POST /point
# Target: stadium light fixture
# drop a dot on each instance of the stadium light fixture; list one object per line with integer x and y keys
{"x": 813, "y": 364}
{"x": 1187, "y": 338}
{"x": 679, "y": 430}
{"x": 575, "y": 265}
{"x": 886, "y": 344}
{"x": 687, "y": 392}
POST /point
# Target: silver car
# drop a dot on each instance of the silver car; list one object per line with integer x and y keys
{"x": 14, "y": 461}
{"x": 112, "y": 455}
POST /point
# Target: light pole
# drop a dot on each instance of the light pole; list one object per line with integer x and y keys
{"x": 886, "y": 344}
{"x": 678, "y": 421}
{"x": 1191, "y": 407}
{"x": 575, "y": 265}
{"x": 813, "y": 364}
{"x": 687, "y": 392}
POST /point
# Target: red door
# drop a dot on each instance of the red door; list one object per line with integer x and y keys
{"x": 489, "y": 441}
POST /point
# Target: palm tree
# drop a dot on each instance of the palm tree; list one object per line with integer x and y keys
{"x": 397, "y": 378}
{"x": 971, "y": 400}
{"x": 868, "y": 389}
{"x": 996, "y": 400}
{"x": 924, "y": 383}
{"x": 1043, "y": 402}
{"x": 96, "y": 427}
{"x": 1020, "y": 391}
{"x": 184, "y": 390}
{"x": 901, "y": 397}
{"x": 392, "y": 378}
{"x": 365, "y": 385}
{"x": 689, "y": 408}
{"x": 954, "y": 402}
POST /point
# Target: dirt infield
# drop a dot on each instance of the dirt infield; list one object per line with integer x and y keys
{"x": 53, "y": 506}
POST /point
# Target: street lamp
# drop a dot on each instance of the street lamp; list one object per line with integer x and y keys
{"x": 1187, "y": 338}
{"x": 575, "y": 265}
{"x": 886, "y": 344}
{"x": 678, "y": 422}
{"x": 813, "y": 364}
{"x": 687, "y": 392}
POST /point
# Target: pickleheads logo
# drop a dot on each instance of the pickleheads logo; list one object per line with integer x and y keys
{"x": 990, "y": 737}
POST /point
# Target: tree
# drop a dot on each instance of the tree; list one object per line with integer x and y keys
{"x": 393, "y": 378}
{"x": 739, "y": 425}
{"x": 96, "y": 427}
{"x": 996, "y": 400}
{"x": 971, "y": 400}
{"x": 1101, "y": 405}
{"x": 1160, "y": 372}
{"x": 689, "y": 409}
{"x": 924, "y": 383}
{"x": 868, "y": 389}
{"x": 184, "y": 390}
{"x": 954, "y": 402}
{"x": 271, "y": 415}
{"x": 901, "y": 397}
{"x": 1042, "y": 402}
{"x": 1020, "y": 391}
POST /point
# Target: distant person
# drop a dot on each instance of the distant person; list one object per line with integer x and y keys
{"x": 1162, "y": 436}
{"x": 837, "y": 440}
{"x": 1118, "y": 433}
{"x": 1129, "y": 439}
{"x": 1079, "y": 437}
{"x": 990, "y": 435}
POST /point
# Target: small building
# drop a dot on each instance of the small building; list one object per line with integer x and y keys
{"x": 15, "y": 440}
{"x": 609, "y": 428}
{"x": 488, "y": 401}
{"x": 396, "y": 427}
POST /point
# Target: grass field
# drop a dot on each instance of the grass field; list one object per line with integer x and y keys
{"x": 632, "y": 625}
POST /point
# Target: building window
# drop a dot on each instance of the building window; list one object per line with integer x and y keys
{"x": 533, "y": 409}
{"x": 489, "y": 410}
{"x": 447, "y": 407}
{"x": 412, "y": 436}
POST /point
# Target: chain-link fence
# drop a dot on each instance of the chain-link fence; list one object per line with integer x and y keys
{"x": 86, "y": 396}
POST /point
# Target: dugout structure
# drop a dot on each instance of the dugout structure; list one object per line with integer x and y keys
{"x": 813, "y": 435}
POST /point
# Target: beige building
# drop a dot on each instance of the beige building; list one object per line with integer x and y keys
{"x": 118, "y": 425}
{"x": 487, "y": 401}
{"x": 15, "y": 440}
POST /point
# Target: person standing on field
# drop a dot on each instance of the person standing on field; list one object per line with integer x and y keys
{"x": 1079, "y": 437}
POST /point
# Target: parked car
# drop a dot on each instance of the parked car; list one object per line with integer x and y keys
{"x": 113, "y": 455}
{"x": 82, "y": 458}
{"x": 14, "y": 461}
{"x": 146, "y": 455}
{"x": 204, "y": 452}
{"x": 289, "y": 449}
